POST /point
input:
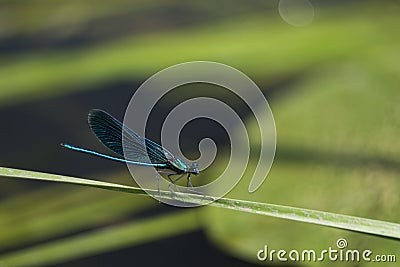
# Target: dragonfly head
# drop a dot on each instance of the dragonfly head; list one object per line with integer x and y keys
{"x": 194, "y": 169}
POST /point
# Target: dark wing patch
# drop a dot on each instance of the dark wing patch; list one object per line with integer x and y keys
{"x": 110, "y": 132}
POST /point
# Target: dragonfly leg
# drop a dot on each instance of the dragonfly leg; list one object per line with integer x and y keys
{"x": 170, "y": 173}
{"x": 169, "y": 177}
{"x": 177, "y": 179}
{"x": 173, "y": 182}
{"x": 158, "y": 184}
{"x": 189, "y": 184}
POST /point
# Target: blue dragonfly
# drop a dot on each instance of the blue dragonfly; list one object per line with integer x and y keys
{"x": 138, "y": 150}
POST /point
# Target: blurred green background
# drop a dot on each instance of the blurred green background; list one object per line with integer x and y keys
{"x": 333, "y": 86}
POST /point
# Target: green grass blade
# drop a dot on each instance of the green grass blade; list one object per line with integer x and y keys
{"x": 35, "y": 203}
{"x": 41, "y": 214}
{"x": 334, "y": 220}
{"x": 35, "y": 228}
{"x": 108, "y": 239}
{"x": 24, "y": 174}
{"x": 374, "y": 227}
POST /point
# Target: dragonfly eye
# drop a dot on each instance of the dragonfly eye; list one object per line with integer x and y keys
{"x": 195, "y": 168}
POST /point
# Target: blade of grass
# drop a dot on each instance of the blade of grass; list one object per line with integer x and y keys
{"x": 58, "y": 192}
{"x": 91, "y": 214}
{"x": 41, "y": 214}
{"x": 111, "y": 238}
{"x": 24, "y": 174}
{"x": 36, "y": 203}
{"x": 363, "y": 225}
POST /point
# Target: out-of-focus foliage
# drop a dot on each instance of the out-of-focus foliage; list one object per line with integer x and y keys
{"x": 337, "y": 150}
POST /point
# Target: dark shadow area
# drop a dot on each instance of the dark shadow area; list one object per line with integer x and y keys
{"x": 191, "y": 249}
{"x": 34, "y": 131}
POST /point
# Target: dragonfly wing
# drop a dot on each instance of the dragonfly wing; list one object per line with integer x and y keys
{"x": 156, "y": 148}
{"x": 116, "y": 136}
